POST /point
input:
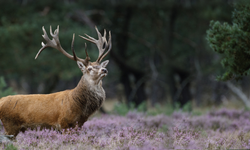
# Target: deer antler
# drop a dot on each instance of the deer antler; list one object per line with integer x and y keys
{"x": 55, "y": 43}
{"x": 101, "y": 44}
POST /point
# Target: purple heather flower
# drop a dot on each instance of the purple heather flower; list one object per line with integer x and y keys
{"x": 222, "y": 129}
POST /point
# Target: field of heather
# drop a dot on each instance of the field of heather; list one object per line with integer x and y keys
{"x": 221, "y": 129}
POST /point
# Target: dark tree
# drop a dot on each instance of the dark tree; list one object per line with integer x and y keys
{"x": 231, "y": 40}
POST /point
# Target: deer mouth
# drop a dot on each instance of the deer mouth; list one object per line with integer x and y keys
{"x": 104, "y": 75}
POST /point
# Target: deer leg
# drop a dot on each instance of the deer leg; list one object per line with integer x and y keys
{"x": 10, "y": 127}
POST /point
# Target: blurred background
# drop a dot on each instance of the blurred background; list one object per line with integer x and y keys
{"x": 160, "y": 56}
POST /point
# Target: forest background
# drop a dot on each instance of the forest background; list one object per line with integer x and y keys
{"x": 160, "y": 52}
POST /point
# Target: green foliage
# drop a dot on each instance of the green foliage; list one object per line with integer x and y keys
{"x": 232, "y": 41}
{"x": 10, "y": 147}
{"x": 164, "y": 128}
{"x": 4, "y": 91}
{"x": 123, "y": 108}
{"x": 166, "y": 109}
{"x": 142, "y": 107}
{"x": 187, "y": 107}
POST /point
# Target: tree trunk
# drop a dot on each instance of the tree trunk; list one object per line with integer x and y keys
{"x": 239, "y": 93}
{"x": 185, "y": 88}
{"x": 181, "y": 95}
{"x": 140, "y": 87}
{"x": 126, "y": 85}
{"x": 133, "y": 95}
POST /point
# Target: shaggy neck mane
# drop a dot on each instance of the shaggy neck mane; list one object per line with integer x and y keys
{"x": 88, "y": 97}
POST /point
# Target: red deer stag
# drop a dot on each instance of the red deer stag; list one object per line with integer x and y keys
{"x": 63, "y": 109}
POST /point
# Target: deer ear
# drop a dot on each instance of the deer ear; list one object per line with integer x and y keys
{"x": 105, "y": 63}
{"x": 81, "y": 66}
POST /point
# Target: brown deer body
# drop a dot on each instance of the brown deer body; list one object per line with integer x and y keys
{"x": 63, "y": 109}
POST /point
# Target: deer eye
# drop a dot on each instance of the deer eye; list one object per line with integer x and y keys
{"x": 89, "y": 69}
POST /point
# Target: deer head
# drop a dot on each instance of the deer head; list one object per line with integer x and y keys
{"x": 92, "y": 71}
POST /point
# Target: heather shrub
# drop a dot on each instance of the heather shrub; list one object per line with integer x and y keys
{"x": 231, "y": 114}
{"x": 221, "y": 129}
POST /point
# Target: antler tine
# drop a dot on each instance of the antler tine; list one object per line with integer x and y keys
{"x": 101, "y": 43}
{"x": 90, "y": 38}
{"x": 109, "y": 46}
{"x": 85, "y": 61}
{"x": 95, "y": 41}
{"x": 45, "y": 36}
{"x": 72, "y": 47}
{"x": 87, "y": 55}
{"x": 55, "y": 43}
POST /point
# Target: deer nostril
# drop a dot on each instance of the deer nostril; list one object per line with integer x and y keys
{"x": 104, "y": 70}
